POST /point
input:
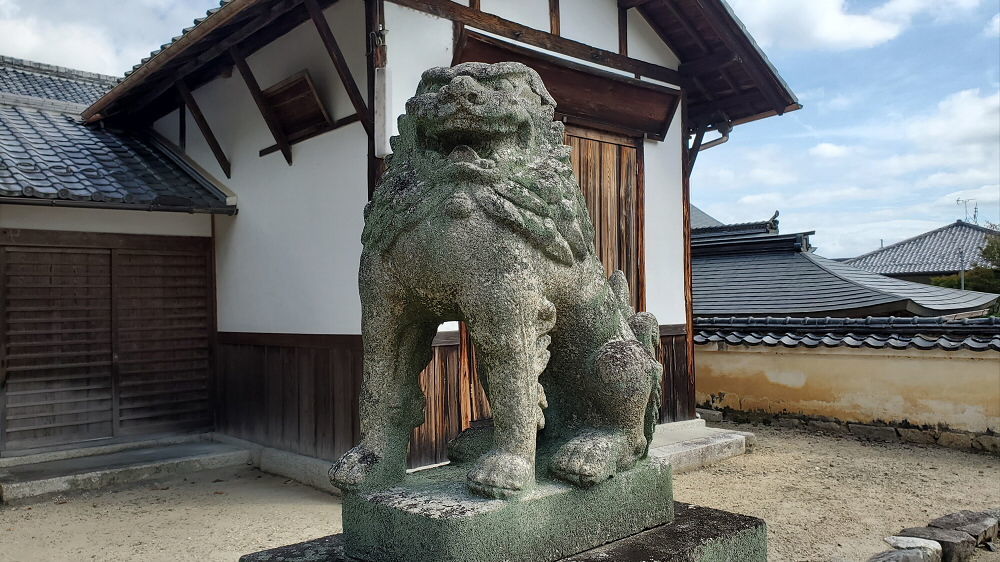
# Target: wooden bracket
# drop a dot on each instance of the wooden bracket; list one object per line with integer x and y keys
{"x": 206, "y": 131}
{"x": 340, "y": 63}
{"x": 265, "y": 109}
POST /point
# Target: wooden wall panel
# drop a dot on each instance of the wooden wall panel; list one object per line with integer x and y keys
{"x": 297, "y": 393}
{"x": 677, "y": 398}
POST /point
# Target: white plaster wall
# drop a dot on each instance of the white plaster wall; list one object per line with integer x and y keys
{"x": 594, "y": 22}
{"x": 665, "y": 227}
{"x": 288, "y": 262}
{"x": 415, "y": 42}
{"x": 644, "y": 44}
{"x": 532, "y": 13}
{"x": 105, "y": 220}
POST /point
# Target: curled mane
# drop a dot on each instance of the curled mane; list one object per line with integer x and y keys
{"x": 527, "y": 185}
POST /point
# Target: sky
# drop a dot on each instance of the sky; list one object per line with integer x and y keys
{"x": 901, "y": 112}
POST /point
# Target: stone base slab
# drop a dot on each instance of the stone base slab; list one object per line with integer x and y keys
{"x": 697, "y": 534}
{"x": 432, "y": 516}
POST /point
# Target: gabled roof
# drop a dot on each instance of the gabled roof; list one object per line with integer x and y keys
{"x": 978, "y": 334}
{"x": 27, "y": 79}
{"x": 733, "y": 82}
{"x": 772, "y": 274}
{"x": 48, "y": 157}
{"x": 949, "y": 249}
{"x": 701, "y": 219}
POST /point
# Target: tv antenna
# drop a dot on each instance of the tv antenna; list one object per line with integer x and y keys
{"x": 975, "y": 209}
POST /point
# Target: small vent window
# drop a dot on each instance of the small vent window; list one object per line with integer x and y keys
{"x": 297, "y": 107}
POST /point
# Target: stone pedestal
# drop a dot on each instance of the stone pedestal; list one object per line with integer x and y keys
{"x": 697, "y": 534}
{"x": 432, "y": 516}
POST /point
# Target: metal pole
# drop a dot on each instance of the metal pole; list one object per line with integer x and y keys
{"x": 961, "y": 269}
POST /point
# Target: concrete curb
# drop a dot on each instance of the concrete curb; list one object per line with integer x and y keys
{"x": 103, "y": 478}
{"x": 310, "y": 471}
{"x": 693, "y": 454}
{"x": 7, "y": 462}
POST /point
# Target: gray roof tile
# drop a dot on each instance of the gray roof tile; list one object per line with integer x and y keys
{"x": 46, "y": 82}
{"x": 937, "y": 251}
{"x": 51, "y": 155}
{"x": 977, "y": 334}
{"x": 795, "y": 283}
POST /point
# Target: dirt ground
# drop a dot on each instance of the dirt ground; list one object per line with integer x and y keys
{"x": 824, "y": 498}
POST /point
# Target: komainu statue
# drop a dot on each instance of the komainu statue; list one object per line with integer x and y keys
{"x": 478, "y": 218}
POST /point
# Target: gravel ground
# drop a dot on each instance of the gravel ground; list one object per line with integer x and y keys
{"x": 824, "y": 498}
{"x": 831, "y": 498}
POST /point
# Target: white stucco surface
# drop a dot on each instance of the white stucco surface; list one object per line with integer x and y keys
{"x": 105, "y": 220}
{"x": 532, "y": 13}
{"x": 665, "y": 227}
{"x": 594, "y": 22}
{"x": 288, "y": 262}
{"x": 644, "y": 44}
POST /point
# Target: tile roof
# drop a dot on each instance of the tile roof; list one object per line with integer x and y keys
{"x": 978, "y": 334}
{"x": 47, "y": 156}
{"x": 701, "y": 219}
{"x": 937, "y": 251}
{"x": 47, "y": 82}
{"x": 771, "y": 275}
{"x": 50, "y": 155}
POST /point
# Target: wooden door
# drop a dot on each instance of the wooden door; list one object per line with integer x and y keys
{"x": 103, "y": 336}
{"x": 608, "y": 167}
{"x": 57, "y": 341}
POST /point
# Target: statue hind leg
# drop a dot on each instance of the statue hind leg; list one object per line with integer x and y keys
{"x": 397, "y": 347}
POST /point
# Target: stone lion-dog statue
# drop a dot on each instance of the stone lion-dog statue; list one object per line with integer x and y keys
{"x": 479, "y": 218}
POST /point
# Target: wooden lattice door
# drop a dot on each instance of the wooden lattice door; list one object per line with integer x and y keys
{"x": 102, "y": 336}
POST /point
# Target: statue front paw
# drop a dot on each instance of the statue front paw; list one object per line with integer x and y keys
{"x": 362, "y": 467}
{"x": 592, "y": 457}
{"x": 501, "y": 475}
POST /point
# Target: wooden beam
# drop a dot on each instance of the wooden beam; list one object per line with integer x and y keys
{"x": 709, "y": 63}
{"x": 685, "y": 23}
{"x": 206, "y": 131}
{"x": 688, "y": 269}
{"x": 474, "y": 4}
{"x": 623, "y": 32}
{"x": 722, "y": 28}
{"x": 512, "y": 30}
{"x": 212, "y": 53}
{"x": 631, "y": 3}
{"x": 265, "y": 109}
{"x": 312, "y": 132}
{"x": 554, "y": 17}
{"x": 182, "y": 127}
{"x": 340, "y": 63}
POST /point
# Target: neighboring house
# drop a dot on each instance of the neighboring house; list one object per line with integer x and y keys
{"x": 783, "y": 331}
{"x": 943, "y": 251}
{"x": 752, "y": 270}
{"x": 138, "y": 302}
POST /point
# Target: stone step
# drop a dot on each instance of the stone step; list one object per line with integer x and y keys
{"x": 27, "y": 481}
{"x": 689, "y": 447}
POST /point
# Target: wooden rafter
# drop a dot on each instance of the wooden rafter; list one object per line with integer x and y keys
{"x": 215, "y": 51}
{"x": 715, "y": 20}
{"x": 265, "y": 109}
{"x": 554, "y": 17}
{"x": 206, "y": 131}
{"x": 340, "y": 63}
{"x": 512, "y": 30}
{"x": 709, "y": 63}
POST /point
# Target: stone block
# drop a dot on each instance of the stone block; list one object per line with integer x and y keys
{"x": 790, "y": 423}
{"x": 954, "y": 440}
{"x": 988, "y": 443}
{"x": 696, "y": 534}
{"x": 874, "y": 432}
{"x": 905, "y": 555}
{"x": 920, "y": 436}
{"x": 982, "y": 526}
{"x": 709, "y": 415}
{"x": 827, "y": 427}
{"x": 932, "y": 548}
{"x": 956, "y": 546}
{"x": 432, "y": 516}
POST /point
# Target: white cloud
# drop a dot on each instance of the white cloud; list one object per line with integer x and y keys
{"x": 106, "y": 36}
{"x": 829, "y": 150}
{"x": 992, "y": 28}
{"x": 827, "y": 24}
